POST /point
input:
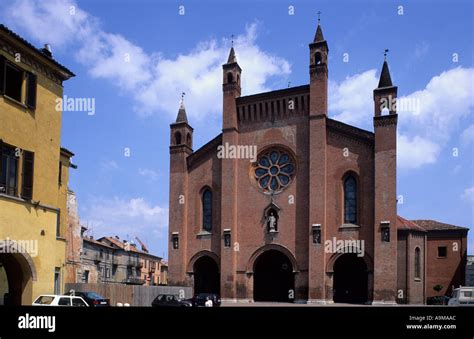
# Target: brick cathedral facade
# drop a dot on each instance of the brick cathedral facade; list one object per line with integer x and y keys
{"x": 262, "y": 229}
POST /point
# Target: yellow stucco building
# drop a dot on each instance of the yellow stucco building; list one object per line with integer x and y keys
{"x": 34, "y": 171}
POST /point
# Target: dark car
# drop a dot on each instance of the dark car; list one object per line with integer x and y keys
{"x": 170, "y": 300}
{"x": 201, "y": 298}
{"x": 92, "y": 299}
{"x": 438, "y": 300}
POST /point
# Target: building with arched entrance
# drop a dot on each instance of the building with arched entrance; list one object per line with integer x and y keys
{"x": 34, "y": 171}
{"x": 287, "y": 204}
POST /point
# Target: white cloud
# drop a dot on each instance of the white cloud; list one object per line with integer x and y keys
{"x": 445, "y": 101}
{"x": 468, "y": 194}
{"x": 352, "y": 99}
{"x": 133, "y": 217}
{"x": 467, "y": 136}
{"x": 52, "y": 21}
{"x": 427, "y": 118}
{"x": 108, "y": 165}
{"x": 153, "y": 80}
{"x": 416, "y": 151}
{"x": 148, "y": 173}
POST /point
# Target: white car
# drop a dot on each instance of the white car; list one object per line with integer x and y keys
{"x": 462, "y": 296}
{"x": 59, "y": 300}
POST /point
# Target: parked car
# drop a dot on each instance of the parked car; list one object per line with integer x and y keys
{"x": 462, "y": 296}
{"x": 170, "y": 300}
{"x": 93, "y": 299}
{"x": 201, "y": 298}
{"x": 438, "y": 300}
{"x": 59, "y": 300}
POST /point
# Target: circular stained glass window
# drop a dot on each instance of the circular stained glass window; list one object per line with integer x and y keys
{"x": 274, "y": 170}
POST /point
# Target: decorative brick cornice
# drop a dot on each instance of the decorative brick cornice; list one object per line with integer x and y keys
{"x": 350, "y": 132}
{"x": 181, "y": 123}
{"x": 317, "y": 44}
{"x": 230, "y": 129}
{"x": 273, "y": 95}
{"x": 385, "y": 120}
{"x": 231, "y": 65}
{"x": 231, "y": 87}
{"x": 317, "y": 117}
{"x": 181, "y": 149}
{"x": 385, "y": 90}
{"x": 318, "y": 69}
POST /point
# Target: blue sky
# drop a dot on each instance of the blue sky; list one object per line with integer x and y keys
{"x": 136, "y": 57}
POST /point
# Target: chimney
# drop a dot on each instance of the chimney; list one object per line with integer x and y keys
{"x": 47, "y": 50}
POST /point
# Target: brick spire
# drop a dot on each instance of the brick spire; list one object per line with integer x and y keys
{"x": 182, "y": 117}
{"x": 318, "y": 37}
{"x": 385, "y": 79}
{"x": 232, "y": 58}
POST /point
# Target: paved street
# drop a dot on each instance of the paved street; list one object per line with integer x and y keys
{"x": 282, "y": 304}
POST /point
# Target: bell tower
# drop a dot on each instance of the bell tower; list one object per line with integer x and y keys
{"x": 318, "y": 72}
{"x": 231, "y": 90}
{"x": 181, "y": 142}
{"x": 385, "y": 195}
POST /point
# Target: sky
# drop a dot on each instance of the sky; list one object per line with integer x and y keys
{"x": 135, "y": 58}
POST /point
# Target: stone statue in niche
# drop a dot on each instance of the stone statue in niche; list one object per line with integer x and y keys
{"x": 271, "y": 222}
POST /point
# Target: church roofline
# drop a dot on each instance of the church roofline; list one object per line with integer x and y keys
{"x": 350, "y": 130}
{"x": 202, "y": 152}
{"x": 433, "y": 225}
{"x": 272, "y": 94}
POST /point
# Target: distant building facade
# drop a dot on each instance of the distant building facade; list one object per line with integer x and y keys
{"x": 109, "y": 260}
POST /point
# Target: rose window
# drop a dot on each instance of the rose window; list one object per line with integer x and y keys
{"x": 274, "y": 170}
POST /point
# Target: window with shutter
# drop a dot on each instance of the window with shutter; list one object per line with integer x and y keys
{"x": 13, "y": 81}
{"x": 8, "y": 170}
{"x": 31, "y": 90}
{"x": 27, "y": 182}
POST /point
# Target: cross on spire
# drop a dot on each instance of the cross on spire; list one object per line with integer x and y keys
{"x": 385, "y": 54}
{"x": 232, "y": 39}
{"x": 319, "y": 16}
{"x": 182, "y": 97}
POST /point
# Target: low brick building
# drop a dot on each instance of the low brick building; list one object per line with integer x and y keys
{"x": 431, "y": 255}
{"x": 287, "y": 204}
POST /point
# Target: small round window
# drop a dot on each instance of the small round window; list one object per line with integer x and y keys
{"x": 274, "y": 170}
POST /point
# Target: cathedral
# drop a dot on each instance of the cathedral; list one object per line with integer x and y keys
{"x": 300, "y": 207}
